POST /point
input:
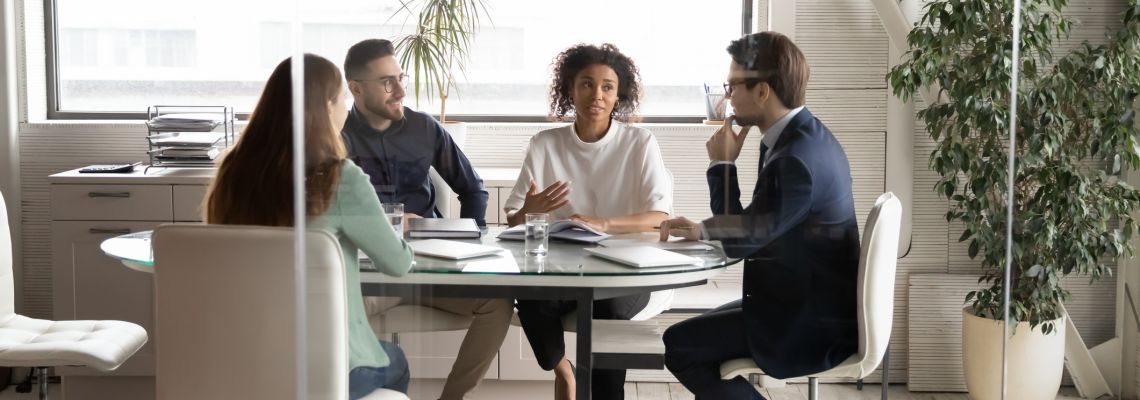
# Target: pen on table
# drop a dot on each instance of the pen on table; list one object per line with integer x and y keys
{"x": 658, "y": 227}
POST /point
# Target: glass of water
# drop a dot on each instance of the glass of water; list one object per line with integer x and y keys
{"x": 395, "y": 213}
{"x": 537, "y": 236}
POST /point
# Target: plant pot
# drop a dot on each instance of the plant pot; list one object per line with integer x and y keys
{"x": 458, "y": 131}
{"x": 1035, "y": 360}
{"x": 1136, "y": 369}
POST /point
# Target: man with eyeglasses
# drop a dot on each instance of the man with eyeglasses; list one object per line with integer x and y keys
{"x": 396, "y": 146}
{"x": 797, "y": 314}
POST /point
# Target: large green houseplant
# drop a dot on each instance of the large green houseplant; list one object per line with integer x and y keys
{"x": 1071, "y": 210}
{"x": 439, "y": 45}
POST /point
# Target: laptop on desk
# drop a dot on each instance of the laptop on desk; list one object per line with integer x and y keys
{"x": 451, "y": 249}
{"x": 643, "y": 256}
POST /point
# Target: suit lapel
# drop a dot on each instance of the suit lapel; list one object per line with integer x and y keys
{"x": 786, "y": 135}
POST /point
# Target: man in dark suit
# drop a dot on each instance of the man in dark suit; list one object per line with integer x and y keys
{"x": 798, "y": 236}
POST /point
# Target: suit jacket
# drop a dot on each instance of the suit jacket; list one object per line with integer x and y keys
{"x": 801, "y": 244}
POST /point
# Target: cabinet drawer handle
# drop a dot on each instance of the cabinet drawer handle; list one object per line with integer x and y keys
{"x": 121, "y": 195}
{"x": 101, "y": 231}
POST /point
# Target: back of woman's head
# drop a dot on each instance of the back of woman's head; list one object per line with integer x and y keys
{"x": 254, "y": 183}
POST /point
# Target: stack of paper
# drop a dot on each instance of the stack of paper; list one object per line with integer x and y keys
{"x": 188, "y": 155}
{"x": 186, "y": 121}
{"x": 188, "y": 139}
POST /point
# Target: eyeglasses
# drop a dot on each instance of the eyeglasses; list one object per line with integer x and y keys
{"x": 389, "y": 82}
{"x": 730, "y": 84}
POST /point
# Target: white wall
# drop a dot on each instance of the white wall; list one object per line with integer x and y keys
{"x": 9, "y": 144}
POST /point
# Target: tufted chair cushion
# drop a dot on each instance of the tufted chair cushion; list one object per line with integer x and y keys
{"x": 103, "y": 345}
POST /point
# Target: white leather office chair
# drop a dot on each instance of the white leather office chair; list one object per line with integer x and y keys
{"x": 226, "y": 314}
{"x": 875, "y": 303}
{"x": 39, "y": 343}
{"x": 410, "y": 318}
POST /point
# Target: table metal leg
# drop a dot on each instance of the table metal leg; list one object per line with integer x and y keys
{"x": 886, "y": 372}
{"x": 585, "y": 340}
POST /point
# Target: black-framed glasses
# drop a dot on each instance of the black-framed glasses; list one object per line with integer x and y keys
{"x": 729, "y": 85}
{"x": 732, "y": 83}
{"x": 389, "y": 82}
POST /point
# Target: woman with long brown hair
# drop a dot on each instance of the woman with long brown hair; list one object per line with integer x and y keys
{"x": 254, "y": 186}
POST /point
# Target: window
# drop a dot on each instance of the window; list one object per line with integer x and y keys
{"x": 121, "y": 56}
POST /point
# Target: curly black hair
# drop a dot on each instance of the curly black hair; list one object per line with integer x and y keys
{"x": 573, "y": 60}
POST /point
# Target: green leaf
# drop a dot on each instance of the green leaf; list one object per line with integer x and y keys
{"x": 965, "y": 235}
{"x": 1034, "y": 271}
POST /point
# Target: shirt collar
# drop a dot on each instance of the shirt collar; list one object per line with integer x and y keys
{"x": 610, "y": 133}
{"x": 773, "y": 134}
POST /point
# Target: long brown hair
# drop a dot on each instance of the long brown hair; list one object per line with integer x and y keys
{"x": 254, "y": 184}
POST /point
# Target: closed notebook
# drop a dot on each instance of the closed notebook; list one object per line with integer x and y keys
{"x": 563, "y": 229}
{"x": 642, "y": 256}
{"x": 450, "y": 249}
{"x": 423, "y": 228}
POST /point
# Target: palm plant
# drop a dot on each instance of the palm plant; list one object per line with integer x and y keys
{"x": 1075, "y": 118}
{"x": 439, "y": 45}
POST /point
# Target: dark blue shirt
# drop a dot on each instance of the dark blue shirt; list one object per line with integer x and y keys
{"x": 397, "y": 161}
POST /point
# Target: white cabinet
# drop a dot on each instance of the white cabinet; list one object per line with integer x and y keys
{"x": 111, "y": 203}
{"x": 187, "y": 204}
{"x": 90, "y": 285}
{"x": 85, "y": 210}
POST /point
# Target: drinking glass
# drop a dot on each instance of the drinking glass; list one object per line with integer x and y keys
{"x": 537, "y": 236}
{"x": 395, "y": 213}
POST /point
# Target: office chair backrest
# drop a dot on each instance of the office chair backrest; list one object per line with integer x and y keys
{"x": 877, "y": 261}
{"x": 226, "y": 313}
{"x": 7, "y": 292}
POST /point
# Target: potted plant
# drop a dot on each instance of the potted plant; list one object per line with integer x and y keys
{"x": 438, "y": 46}
{"x": 1071, "y": 210}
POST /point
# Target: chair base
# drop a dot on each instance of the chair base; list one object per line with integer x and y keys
{"x": 41, "y": 374}
{"x": 43, "y": 383}
{"x": 747, "y": 368}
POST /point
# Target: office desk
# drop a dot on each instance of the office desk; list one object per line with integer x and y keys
{"x": 566, "y": 273}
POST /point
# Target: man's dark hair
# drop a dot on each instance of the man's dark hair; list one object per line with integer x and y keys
{"x": 571, "y": 61}
{"x": 360, "y": 54}
{"x": 776, "y": 60}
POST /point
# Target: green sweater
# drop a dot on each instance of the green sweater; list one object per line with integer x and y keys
{"x": 357, "y": 221}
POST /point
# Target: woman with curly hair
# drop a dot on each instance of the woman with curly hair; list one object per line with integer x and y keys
{"x": 599, "y": 170}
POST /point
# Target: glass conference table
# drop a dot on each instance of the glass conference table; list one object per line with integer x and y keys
{"x": 567, "y": 272}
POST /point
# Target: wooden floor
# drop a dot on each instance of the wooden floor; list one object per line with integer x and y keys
{"x": 674, "y": 391}
{"x": 540, "y": 390}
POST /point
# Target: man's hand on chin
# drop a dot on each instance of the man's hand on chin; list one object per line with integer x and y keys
{"x": 725, "y": 144}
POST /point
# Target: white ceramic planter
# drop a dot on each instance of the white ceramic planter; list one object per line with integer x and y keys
{"x": 1136, "y": 379}
{"x": 458, "y": 131}
{"x": 1035, "y": 360}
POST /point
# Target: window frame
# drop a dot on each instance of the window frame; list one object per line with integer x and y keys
{"x": 54, "y": 111}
